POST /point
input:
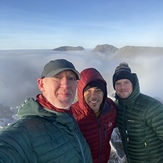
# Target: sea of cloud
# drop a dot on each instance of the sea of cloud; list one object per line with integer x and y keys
{"x": 19, "y": 70}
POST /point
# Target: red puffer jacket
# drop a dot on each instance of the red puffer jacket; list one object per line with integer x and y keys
{"x": 97, "y": 131}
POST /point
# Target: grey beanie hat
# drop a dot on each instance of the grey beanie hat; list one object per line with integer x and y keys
{"x": 56, "y": 66}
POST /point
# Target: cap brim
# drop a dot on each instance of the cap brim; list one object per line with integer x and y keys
{"x": 52, "y": 73}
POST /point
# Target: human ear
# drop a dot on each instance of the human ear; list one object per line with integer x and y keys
{"x": 40, "y": 84}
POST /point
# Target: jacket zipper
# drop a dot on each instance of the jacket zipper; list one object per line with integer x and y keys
{"x": 99, "y": 157}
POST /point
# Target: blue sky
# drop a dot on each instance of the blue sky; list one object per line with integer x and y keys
{"x": 47, "y": 24}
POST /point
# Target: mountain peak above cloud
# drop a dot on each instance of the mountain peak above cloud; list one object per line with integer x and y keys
{"x": 68, "y": 48}
{"x": 126, "y": 51}
{"x": 134, "y": 51}
{"x": 106, "y": 48}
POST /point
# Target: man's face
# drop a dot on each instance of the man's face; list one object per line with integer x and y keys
{"x": 123, "y": 88}
{"x": 94, "y": 97}
{"x": 60, "y": 89}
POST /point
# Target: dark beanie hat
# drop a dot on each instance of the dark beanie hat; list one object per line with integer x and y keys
{"x": 122, "y": 71}
{"x": 97, "y": 83}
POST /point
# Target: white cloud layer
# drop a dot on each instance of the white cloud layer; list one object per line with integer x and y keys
{"x": 20, "y": 69}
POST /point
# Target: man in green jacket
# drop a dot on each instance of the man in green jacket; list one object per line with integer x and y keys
{"x": 139, "y": 119}
{"x": 46, "y": 131}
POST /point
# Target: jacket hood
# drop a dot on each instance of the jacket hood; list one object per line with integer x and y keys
{"x": 32, "y": 108}
{"x": 86, "y": 76}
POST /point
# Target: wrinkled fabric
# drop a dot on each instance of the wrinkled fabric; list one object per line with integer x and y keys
{"x": 41, "y": 136}
{"x": 97, "y": 131}
{"x": 140, "y": 122}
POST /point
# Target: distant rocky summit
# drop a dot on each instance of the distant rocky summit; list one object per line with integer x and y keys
{"x": 134, "y": 51}
{"x": 68, "y": 48}
{"x": 106, "y": 49}
{"x": 126, "y": 51}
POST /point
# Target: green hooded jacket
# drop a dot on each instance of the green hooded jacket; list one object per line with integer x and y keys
{"x": 41, "y": 136}
{"x": 140, "y": 122}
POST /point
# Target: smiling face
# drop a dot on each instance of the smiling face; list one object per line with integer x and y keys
{"x": 123, "y": 88}
{"x": 94, "y": 97}
{"x": 59, "y": 89}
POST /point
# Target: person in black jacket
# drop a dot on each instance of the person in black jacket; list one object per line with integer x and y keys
{"x": 139, "y": 118}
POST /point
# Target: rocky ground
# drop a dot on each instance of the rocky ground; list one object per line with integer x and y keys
{"x": 117, "y": 154}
